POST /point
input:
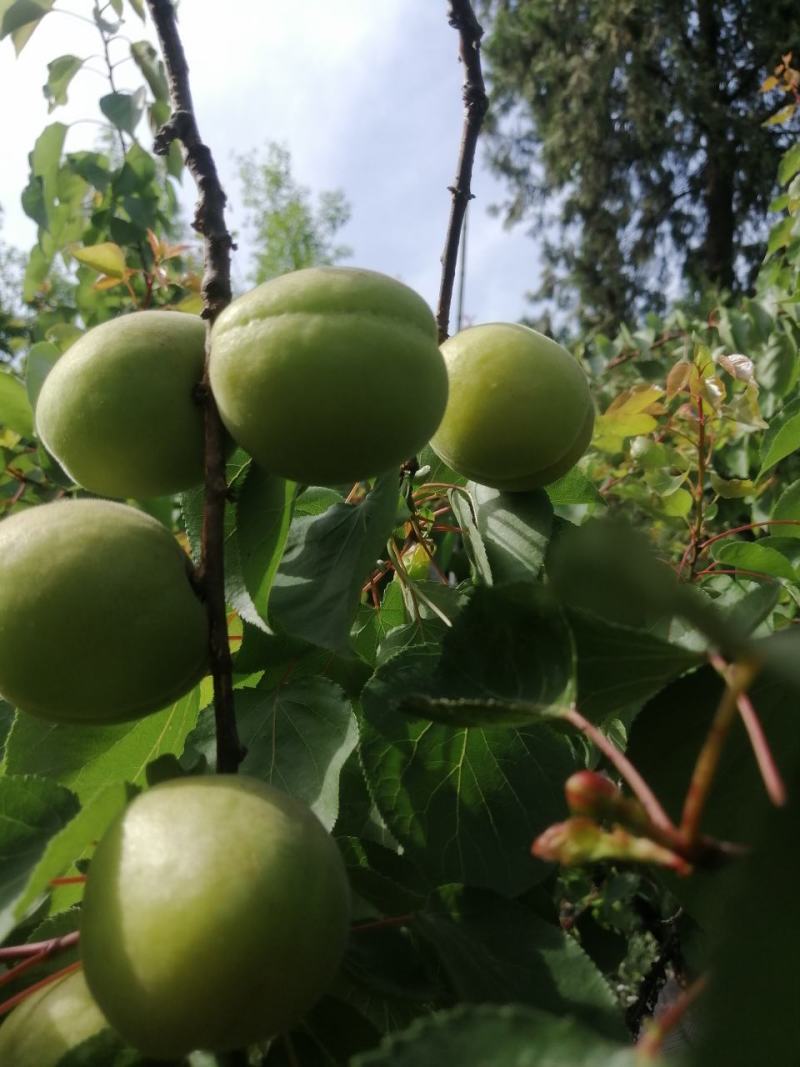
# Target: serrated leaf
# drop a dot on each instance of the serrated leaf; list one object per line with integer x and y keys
{"x": 263, "y": 517}
{"x": 573, "y": 488}
{"x": 88, "y": 759}
{"x": 619, "y": 666}
{"x": 327, "y": 559}
{"x": 782, "y": 438}
{"x": 754, "y": 557}
{"x": 515, "y": 529}
{"x": 72, "y": 842}
{"x": 508, "y": 660}
{"x": 496, "y": 951}
{"x": 489, "y": 1036}
{"x": 107, "y": 258}
{"x": 15, "y": 408}
{"x": 32, "y": 810}
{"x": 60, "y": 73}
{"x": 298, "y": 735}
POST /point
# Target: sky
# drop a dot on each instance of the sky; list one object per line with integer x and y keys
{"x": 366, "y": 94}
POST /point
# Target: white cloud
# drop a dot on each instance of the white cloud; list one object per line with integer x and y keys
{"x": 366, "y": 94}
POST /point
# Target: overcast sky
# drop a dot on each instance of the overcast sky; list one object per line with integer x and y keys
{"x": 365, "y": 94}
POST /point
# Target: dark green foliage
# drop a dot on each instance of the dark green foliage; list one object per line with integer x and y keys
{"x": 631, "y": 139}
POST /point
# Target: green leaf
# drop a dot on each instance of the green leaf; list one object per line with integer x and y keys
{"x": 138, "y": 7}
{"x": 39, "y": 362}
{"x": 32, "y": 810}
{"x": 15, "y": 409}
{"x": 789, "y": 164}
{"x": 382, "y": 877}
{"x": 471, "y": 538}
{"x": 620, "y": 666}
{"x": 497, "y": 951}
{"x": 20, "y": 18}
{"x": 263, "y": 517}
{"x": 327, "y": 559}
{"x": 123, "y": 110}
{"x": 757, "y": 932}
{"x": 507, "y": 661}
{"x": 515, "y": 528}
{"x": 298, "y": 735}
{"x": 60, "y": 73}
{"x": 780, "y": 235}
{"x": 787, "y": 509}
{"x": 487, "y": 792}
{"x": 147, "y": 60}
{"x": 88, "y": 759}
{"x": 41, "y": 196}
{"x": 73, "y": 842}
{"x": 755, "y": 557}
{"x": 489, "y": 1036}
{"x": 573, "y": 488}
{"x": 782, "y": 438}
{"x": 107, "y": 258}
{"x": 677, "y": 504}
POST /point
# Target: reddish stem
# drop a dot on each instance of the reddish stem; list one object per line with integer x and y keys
{"x": 638, "y": 785}
{"x": 33, "y": 948}
{"x": 12, "y": 1002}
{"x": 773, "y": 782}
{"x": 743, "y": 529}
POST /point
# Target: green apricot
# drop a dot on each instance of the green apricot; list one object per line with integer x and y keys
{"x": 98, "y": 619}
{"x": 215, "y": 914}
{"x": 50, "y": 1022}
{"x": 328, "y": 375}
{"x": 118, "y": 412}
{"x": 519, "y": 413}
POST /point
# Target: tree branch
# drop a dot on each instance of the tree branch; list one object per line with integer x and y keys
{"x": 209, "y": 221}
{"x": 462, "y": 18}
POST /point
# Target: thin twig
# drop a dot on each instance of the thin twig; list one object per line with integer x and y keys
{"x": 773, "y": 782}
{"x": 209, "y": 220}
{"x": 462, "y": 18}
{"x": 638, "y": 785}
{"x": 34, "y": 948}
{"x": 738, "y": 678}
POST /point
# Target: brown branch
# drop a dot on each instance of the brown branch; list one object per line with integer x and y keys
{"x": 462, "y": 18}
{"x": 209, "y": 221}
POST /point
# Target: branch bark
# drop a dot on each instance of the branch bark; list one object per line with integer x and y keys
{"x": 462, "y": 18}
{"x": 209, "y": 221}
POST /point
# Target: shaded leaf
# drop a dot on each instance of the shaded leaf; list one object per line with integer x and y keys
{"x": 15, "y": 408}
{"x": 32, "y": 810}
{"x": 782, "y": 438}
{"x": 123, "y": 110}
{"x": 263, "y": 516}
{"x": 515, "y": 528}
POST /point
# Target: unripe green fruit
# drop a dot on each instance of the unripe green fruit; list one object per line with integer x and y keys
{"x": 118, "y": 412}
{"x": 519, "y": 414}
{"x": 215, "y": 914}
{"x": 98, "y": 619}
{"x": 50, "y": 1022}
{"x": 328, "y": 375}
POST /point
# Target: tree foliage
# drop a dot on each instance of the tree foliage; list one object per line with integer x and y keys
{"x": 288, "y": 230}
{"x": 635, "y": 144}
{"x": 426, "y": 662}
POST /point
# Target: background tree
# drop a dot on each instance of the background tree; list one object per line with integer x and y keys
{"x": 289, "y": 231}
{"x": 638, "y": 129}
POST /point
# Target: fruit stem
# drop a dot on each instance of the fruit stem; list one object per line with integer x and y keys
{"x": 209, "y": 221}
{"x": 461, "y": 17}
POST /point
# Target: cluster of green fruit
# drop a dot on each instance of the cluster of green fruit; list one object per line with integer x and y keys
{"x": 192, "y": 934}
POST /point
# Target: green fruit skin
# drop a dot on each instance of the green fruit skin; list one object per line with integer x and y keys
{"x": 519, "y": 414}
{"x": 215, "y": 914}
{"x": 46, "y": 1025}
{"x": 118, "y": 410}
{"x": 98, "y": 620}
{"x": 328, "y": 375}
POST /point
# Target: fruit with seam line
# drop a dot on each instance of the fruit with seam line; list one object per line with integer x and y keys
{"x": 100, "y": 593}
{"x": 118, "y": 409}
{"x": 328, "y": 375}
{"x": 215, "y": 914}
{"x": 519, "y": 414}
